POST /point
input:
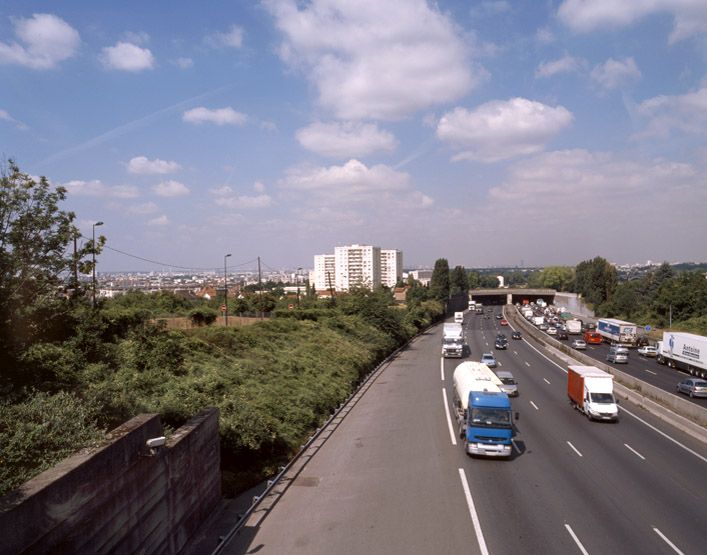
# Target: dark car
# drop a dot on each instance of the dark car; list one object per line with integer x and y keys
{"x": 516, "y": 335}
{"x": 562, "y": 335}
{"x": 501, "y": 341}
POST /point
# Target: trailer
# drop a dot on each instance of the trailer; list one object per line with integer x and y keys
{"x": 684, "y": 351}
{"x": 617, "y": 331}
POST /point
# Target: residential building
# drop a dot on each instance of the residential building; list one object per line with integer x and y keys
{"x": 391, "y": 267}
{"x": 357, "y": 265}
{"x": 324, "y": 273}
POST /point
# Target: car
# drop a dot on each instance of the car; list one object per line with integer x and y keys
{"x": 543, "y": 327}
{"x": 617, "y": 355}
{"x": 551, "y": 331}
{"x": 579, "y": 344}
{"x": 499, "y": 316}
{"x": 504, "y": 322}
{"x": 562, "y": 334}
{"x": 489, "y": 360}
{"x": 693, "y": 387}
{"x": 647, "y": 351}
{"x": 516, "y": 335}
{"x": 508, "y": 383}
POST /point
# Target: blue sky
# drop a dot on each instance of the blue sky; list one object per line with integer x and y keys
{"x": 489, "y": 133}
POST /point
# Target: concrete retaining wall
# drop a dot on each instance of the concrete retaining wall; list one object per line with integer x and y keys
{"x": 120, "y": 498}
{"x": 690, "y": 417}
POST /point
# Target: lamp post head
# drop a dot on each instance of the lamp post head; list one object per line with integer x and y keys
{"x": 227, "y": 255}
{"x": 97, "y": 224}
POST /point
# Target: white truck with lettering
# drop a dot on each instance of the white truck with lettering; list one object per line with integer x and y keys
{"x": 684, "y": 351}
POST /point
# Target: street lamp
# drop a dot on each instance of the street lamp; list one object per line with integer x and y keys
{"x": 93, "y": 234}
{"x": 225, "y": 291}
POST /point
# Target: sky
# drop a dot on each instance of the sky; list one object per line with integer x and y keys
{"x": 490, "y": 133}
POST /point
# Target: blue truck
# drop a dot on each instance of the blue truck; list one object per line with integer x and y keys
{"x": 483, "y": 411}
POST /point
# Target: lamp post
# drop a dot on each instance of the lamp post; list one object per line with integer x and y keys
{"x": 93, "y": 249}
{"x": 225, "y": 291}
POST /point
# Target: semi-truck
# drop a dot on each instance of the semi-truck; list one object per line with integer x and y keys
{"x": 459, "y": 317}
{"x": 591, "y": 392}
{"x": 617, "y": 331}
{"x": 684, "y": 351}
{"x": 574, "y": 327}
{"x": 483, "y": 411}
{"x": 452, "y": 340}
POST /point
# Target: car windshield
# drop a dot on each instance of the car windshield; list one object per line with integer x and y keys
{"x": 508, "y": 381}
{"x": 493, "y": 418}
{"x": 487, "y": 359}
{"x": 602, "y": 398}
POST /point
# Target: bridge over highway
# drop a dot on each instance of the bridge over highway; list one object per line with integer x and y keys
{"x": 511, "y": 296}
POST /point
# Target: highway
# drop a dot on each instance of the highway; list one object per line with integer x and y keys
{"x": 393, "y": 477}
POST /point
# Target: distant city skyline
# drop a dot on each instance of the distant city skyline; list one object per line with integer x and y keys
{"x": 493, "y": 133}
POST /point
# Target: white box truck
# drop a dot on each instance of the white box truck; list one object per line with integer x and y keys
{"x": 574, "y": 327}
{"x": 684, "y": 351}
{"x": 459, "y": 317}
{"x": 452, "y": 340}
{"x": 537, "y": 320}
{"x": 591, "y": 391}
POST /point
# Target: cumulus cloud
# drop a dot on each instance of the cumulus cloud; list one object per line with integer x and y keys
{"x": 375, "y": 60}
{"x": 232, "y": 38}
{"x": 144, "y": 208}
{"x": 170, "y": 188}
{"x": 45, "y": 41}
{"x": 184, "y": 63}
{"x": 689, "y": 16}
{"x": 345, "y": 139}
{"x": 686, "y": 113}
{"x": 226, "y": 196}
{"x": 566, "y": 64}
{"x": 499, "y": 130}
{"x": 351, "y": 182}
{"x": 96, "y": 188}
{"x": 5, "y": 116}
{"x": 143, "y": 166}
{"x": 220, "y": 116}
{"x": 125, "y": 56}
{"x": 614, "y": 74}
{"x": 159, "y": 221}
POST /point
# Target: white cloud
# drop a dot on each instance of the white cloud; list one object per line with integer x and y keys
{"x": 125, "y": 56}
{"x": 544, "y": 36}
{"x": 5, "y": 116}
{"x": 143, "y": 166}
{"x": 140, "y": 38}
{"x": 220, "y": 116}
{"x": 232, "y": 38}
{"x": 96, "y": 188}
{"x": 378, "y": 60}
{"x": 244, "y": 201}
{"x": 686, "y": 113}
{"x": 345, "y": 139}
{"x": 689, "y": 16}
{"x": 566, "y": 64}
{"x": 46, "y": 40}
{"x": 144, "y": 208}
{"x": 259, "y": 187}
{"x": 170, "y": 188}
{"x": 614, "y": 74}
{"x": 352, "y": 182}
{"x": 184, "y": 63}
{"x": 159, "y": 221}
{"x": 499, "y": 130}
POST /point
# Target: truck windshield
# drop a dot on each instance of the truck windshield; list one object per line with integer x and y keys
{"x": 490, "y": 417}
{"x": 606, "y": 398}
{"x": 448, "y": 341}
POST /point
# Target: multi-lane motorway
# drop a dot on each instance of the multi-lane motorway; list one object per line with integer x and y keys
{"x": 392, "y": 477}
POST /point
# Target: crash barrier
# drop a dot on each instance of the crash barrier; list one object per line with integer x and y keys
{"x": 690, "y": 417}
{"x": 139, "y": 493}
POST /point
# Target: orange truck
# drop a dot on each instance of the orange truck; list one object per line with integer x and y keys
{"x": 591, "y": 392}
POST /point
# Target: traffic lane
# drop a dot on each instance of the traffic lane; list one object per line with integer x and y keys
{"x": 384, "y": 482}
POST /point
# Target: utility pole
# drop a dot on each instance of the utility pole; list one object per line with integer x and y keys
{"x": 260, "y": 289}
{"x": 76, "y": 272}
{"x": 225, "y": 291}
{"x": 297, "y": 278}
{"x": 93, "y": 249}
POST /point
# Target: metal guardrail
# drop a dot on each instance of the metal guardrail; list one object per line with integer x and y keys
{"x": 688, "y": 416}
{"x": 224, "y": 540}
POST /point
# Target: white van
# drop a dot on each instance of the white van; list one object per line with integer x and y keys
{"x": 459, "y": 317}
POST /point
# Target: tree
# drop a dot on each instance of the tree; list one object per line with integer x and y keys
{"x": 439, "y": 283}
{"x": 34, "y": 260}
{"x": 559, "y": 278}
{"x": 596, "y": 280}
{"x": 458, "y": 281}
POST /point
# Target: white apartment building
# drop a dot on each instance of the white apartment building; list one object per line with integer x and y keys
{"x": 391, "y": 267}
{"x": 357, "y": 265}
{"x": 324, "y": 273}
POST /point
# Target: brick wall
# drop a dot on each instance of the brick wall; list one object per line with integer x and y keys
{"x": 120, "y": 498}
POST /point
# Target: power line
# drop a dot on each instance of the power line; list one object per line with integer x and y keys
{"x": 165, "y": 264}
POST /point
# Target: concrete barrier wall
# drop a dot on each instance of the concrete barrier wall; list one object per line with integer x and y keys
{"x": 120, "y": 498}
{"x": 658, "y": 401}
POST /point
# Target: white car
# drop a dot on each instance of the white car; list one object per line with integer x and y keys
{"x": 552, "y": 331}
{"x": 647, "y": 351}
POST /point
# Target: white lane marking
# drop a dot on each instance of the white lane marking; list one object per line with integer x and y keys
{"x": 546, "y": 381}
{"x": 574, "y": 448}
{"x": 441, "y": 368}
{"x": 534, "y": 405}
{"x": 576, "y": 539}
{"x": 515, "y": 353}
{"x": 675, "y": 441}
{"x": 500, "y": 364}
{"x": 513, "y": 441}
{"x": 449, "y": 418}
{"x": 649, "y": 371}
{"x": 527, "y": 364}
{"x": 634, "y": 451}
{"x": 666, "y": 540}
{"x": 472, "y": 511}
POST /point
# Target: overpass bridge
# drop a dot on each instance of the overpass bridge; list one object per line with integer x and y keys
{"x": 511, "y": 296}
